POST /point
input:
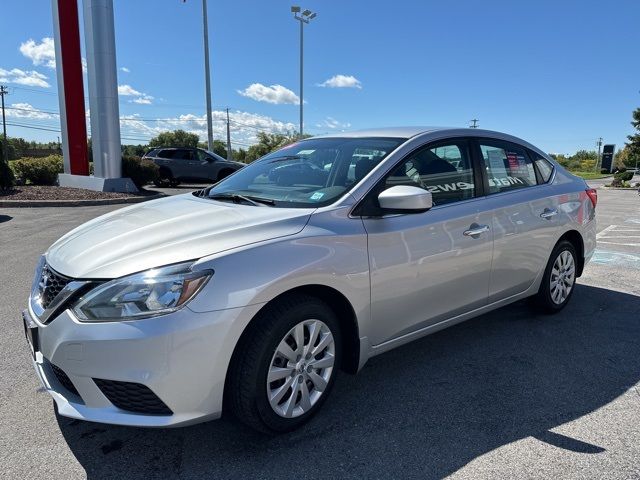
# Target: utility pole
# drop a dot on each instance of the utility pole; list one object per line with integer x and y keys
{"x": 5, "y": 148}
{"x": 304, "y": 17}
{"x": 599, "y": 144}
{"x": 229, "y": 154}
{"x": 475, "y": 123}
{"x": 207, "y": 72}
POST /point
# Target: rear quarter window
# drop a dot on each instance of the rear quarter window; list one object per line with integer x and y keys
{"x": 544, "y": 167}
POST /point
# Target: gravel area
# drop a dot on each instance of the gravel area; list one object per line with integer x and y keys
{"x": 41, "y": 192}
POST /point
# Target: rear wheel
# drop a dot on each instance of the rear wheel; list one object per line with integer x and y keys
{"x": 286, "y": 365}
{"x": 559, "y": 279}
{"x": 165, "y": 177}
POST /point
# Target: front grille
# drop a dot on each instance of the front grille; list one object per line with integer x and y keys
{"x": 133, "y": 397}
{"x": 63, "y": 379}
{"x": 50, "y": 285}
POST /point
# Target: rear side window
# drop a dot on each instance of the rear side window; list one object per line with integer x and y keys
{"x": 544, "y": 167}
{"x": 445, "y": 170}
{"x": 183, "y": 154}
{"x": 508, "y": 166}
{"x": 166, "y": 153}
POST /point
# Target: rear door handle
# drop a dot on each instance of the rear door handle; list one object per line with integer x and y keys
{"x": 548, "y": 213}
{"x": 475, "y": 230}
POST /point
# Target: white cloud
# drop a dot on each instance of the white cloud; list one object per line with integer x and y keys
{"x": 244, "y": 126}
{"x": 30, "y": 78}
{"x": 146, "y": 100}
{"x": 26, "y": 110}
{"x": 342, "y": 81}
{"x": 128, "y": 90}
{"x": 43, "y": 53}
{"x": 125, "y": 70}
{"x": 333, "y": 124}
{"x": 276, "y": 94}
{"x": 141, "y": 97}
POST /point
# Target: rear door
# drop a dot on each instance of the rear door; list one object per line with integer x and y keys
{"x": 525, "y": 216}
{"x": 430, "y": 266}
{"x": 185, "y": 164}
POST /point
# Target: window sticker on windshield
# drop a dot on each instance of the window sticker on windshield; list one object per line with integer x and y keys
{"x": 317, "y": 196}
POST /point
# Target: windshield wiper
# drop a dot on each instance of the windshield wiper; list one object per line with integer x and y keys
{"x": 237, "y": 198}
{"x": 286, "y": 157}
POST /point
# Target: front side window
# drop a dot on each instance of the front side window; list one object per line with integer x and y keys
{"x": 445, "y": 170}
{"x": 508, "y": 166}
{"x": 202, "y": 156}
{"x": 309, "y": 173}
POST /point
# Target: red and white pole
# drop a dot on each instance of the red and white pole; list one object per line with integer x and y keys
{"x": 70, "y": 87}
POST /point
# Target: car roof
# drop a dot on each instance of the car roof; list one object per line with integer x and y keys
{"x": 409, "y": 132}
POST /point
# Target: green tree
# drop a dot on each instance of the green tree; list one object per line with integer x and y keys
{"x": 634, "y": 140}
{"x": 240, "y": 155}
{"x": 134, "y": 150}
{"x": 175, "y": 138}
{"x": 623, "y": 158}
{"x": 267, "y": 143}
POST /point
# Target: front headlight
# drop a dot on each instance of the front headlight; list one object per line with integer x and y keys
{"x": 147, "y": 294}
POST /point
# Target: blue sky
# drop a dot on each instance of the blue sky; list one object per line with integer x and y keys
{"x": 559, "y": 74}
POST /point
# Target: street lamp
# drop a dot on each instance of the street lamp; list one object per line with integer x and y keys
{"x": 304, "y": 17}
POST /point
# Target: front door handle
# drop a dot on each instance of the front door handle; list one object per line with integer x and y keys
{"x": 475, "y": 230}
{"x": 549, "y": 212}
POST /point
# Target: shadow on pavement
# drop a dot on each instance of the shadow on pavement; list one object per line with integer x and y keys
{"x": 423, "y": 410}
{"x": 5, "y": 218}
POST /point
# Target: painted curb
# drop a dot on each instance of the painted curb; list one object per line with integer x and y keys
{"x": 76, "y": 203}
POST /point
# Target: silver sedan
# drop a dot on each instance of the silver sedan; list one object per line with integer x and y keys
{"x": 249, "y": 296}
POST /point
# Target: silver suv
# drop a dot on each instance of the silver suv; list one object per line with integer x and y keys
{"x": 250, "y": 295}
{"x": 182, "y": 164}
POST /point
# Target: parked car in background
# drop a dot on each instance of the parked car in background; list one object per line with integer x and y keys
{"x": 252, "y": 294}
{"x": 181, "y": 164}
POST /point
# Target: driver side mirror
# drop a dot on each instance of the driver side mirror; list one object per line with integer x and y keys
{"x": 405, "y": 199}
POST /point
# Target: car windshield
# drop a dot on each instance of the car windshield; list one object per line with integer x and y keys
{"x": 309, "y": 173}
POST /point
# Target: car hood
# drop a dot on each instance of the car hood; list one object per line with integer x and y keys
{"x": 165, "y": 231}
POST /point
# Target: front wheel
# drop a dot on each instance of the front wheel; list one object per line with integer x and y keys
{"x": 559, "y": 279}
{"x": 286, "y": 365}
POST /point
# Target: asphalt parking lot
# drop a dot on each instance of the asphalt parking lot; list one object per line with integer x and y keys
{"x": 507, "y": 395}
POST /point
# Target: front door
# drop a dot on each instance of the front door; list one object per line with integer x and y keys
{"x": 431, "y": 266}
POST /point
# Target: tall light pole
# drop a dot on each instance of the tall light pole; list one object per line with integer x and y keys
{"x": 207, "y": 75}
{"x": 304, "y": 17}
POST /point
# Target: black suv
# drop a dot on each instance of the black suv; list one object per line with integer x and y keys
{"x": 182, "y": 164}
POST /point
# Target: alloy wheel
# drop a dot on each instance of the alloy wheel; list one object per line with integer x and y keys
{"x": 563, "y": 275}
{"x": 301, "y": 368}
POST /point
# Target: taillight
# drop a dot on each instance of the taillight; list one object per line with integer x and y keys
{"x": 592, "y": 193}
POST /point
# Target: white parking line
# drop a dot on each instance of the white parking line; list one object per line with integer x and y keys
{"x": 605, "y": 230}
{"x": 621, "y": 244}
{"x": 623, "y": 237}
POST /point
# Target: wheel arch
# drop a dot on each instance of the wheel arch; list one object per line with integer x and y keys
{"x": 337, "y": 302}
{"x": 575, "y": 238}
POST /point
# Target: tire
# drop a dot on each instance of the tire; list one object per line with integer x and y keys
{"x": 563, "y": 259}
{"x": 164, "y": 178}
{"x": 248, "y": 392}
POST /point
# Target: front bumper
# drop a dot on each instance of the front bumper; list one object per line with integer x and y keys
{"x": 181, "y": 357}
